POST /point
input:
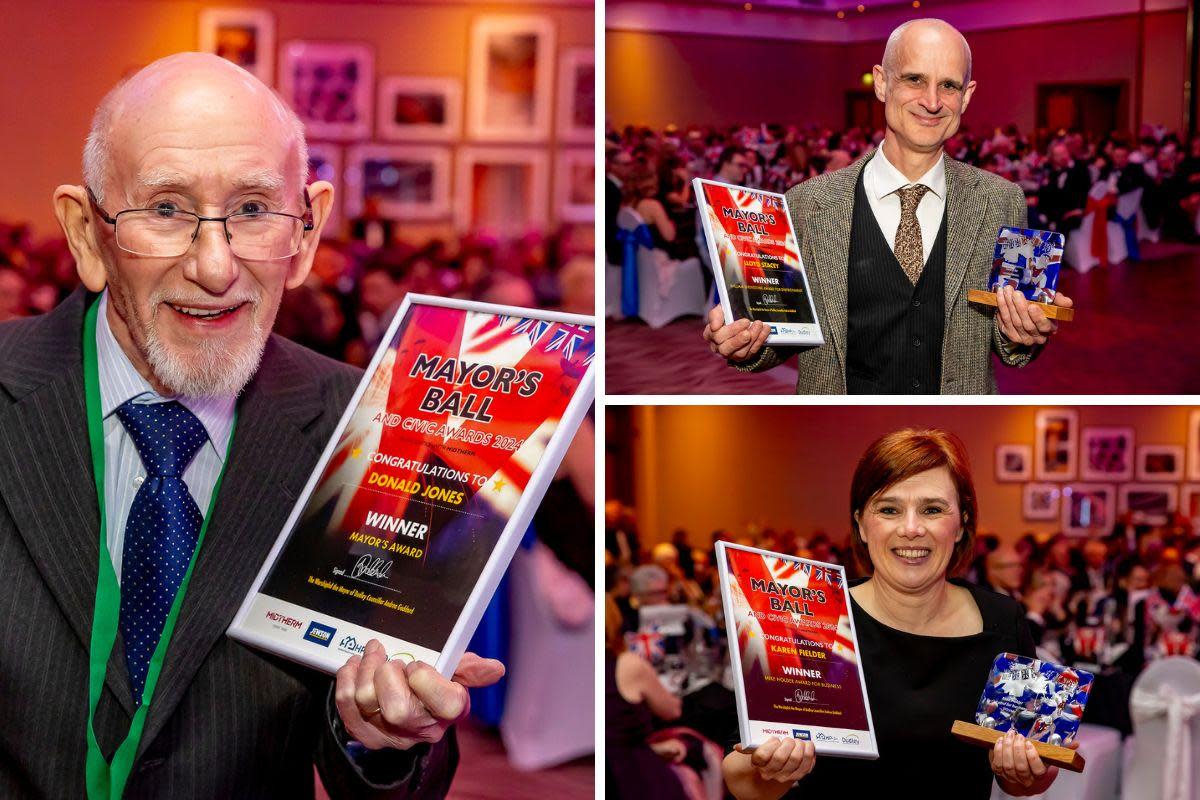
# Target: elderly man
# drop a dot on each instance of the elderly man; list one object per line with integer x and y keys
{"x": 893, "y": 242}
{"x": 153, "y": 438}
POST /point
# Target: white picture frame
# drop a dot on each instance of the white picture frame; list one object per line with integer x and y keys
{"x": 252, "y": 626}
{"x": 575, "y": 185}
{"x": 1193, "y": 445}
{"x": 1189, "y": 501}
{"x": 1040, "y": 501}
{"x": 330, "y": 86}
{"x": 421, "y": 177}
{"x": 325, "y": 164}
{"x": 243, "y": 36}
{"x": 1014, "y": 462}
{"x": 1107, "y": 453}
{"x": 510, "y": 78}
{"x": 532, "y": 207}
{"x": 1149, "y": 503}
{"x": 419, "y": 109}
{"x": 1160, "y": 462}
{"x": 577, "y": 95}
{"x": 1088, "y": 508}
{"x": 1056, "y": 450}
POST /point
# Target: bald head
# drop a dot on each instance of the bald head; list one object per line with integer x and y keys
{"x": 200, "y": 92}
{"x": 925, "y": 34}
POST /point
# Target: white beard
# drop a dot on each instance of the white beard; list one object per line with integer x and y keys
{"x": 212, "y": 369}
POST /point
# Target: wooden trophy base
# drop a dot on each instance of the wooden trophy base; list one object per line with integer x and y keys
{"x": 1051, "y": 311}
{"x": 1063, "y": 757}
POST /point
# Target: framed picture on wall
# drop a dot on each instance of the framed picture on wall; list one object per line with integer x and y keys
{"x": 1055, "y": 445}
{"x": 501, "y": 190}
{"x": 1014, "y": 462}
{"x": 1088, "y": 508}
{"x": 575, "y": 185}
{"x": 577, "y": 95}
{"x": 1160, "y": 462}
{"x": 409, "y": 182}
{"x": 510, "y": 78}
{"x": 1107, "y": 454}
{"x": 325, "y": 164}
{"x": 419, "y": 109}
{"x": 1148, "y": 503}
{"x": 245, "y": 36}
{"x": 1189, "y": 501}
{"x": 330, "y": 85}
{"x": 1193, "y": 446}
{"x": 1039, "y": 501}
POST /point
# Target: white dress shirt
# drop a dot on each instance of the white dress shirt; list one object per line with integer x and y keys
{"x": 123, "y": 469}
{"x": 880, "y": 182}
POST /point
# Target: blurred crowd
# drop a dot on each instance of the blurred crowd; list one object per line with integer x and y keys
{"x": 651, "y": 171}
{"x": 349, "y": 297}
{"x": 1109, "y": 604}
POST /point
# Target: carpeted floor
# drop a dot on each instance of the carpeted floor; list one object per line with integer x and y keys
{"x": 485, "y": 774}
{"x": 1136, "y": 331}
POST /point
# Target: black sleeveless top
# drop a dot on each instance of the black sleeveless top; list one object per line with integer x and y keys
{"x": 917, "y": 687}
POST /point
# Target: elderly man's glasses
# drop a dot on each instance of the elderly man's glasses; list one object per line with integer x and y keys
{"x": 169, "y": 232}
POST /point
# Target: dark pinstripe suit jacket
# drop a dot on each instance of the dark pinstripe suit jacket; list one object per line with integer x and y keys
{"x": 227, "y": 721}
{"x": 978, "y": 204}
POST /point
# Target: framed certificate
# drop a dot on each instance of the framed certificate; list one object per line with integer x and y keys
{"x": 425, "y": 489}
{"x": 756, "y": 260}
{"x": 794, "y": 652}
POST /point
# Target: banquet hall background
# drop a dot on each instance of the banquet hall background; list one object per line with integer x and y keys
{"x": 460, "y": 141}
{"x": 1089, "y": 516}
{"x": 787, "y": 86}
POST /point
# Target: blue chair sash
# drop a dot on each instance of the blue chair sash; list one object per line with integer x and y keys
{"x": 1129, "y": 225}
{"x": 630, "y": 241}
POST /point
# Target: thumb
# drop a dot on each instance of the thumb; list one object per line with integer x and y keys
{"x": 475, "y": 672}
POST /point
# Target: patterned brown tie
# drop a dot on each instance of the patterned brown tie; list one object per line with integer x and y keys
{"x": 909, "y": 250}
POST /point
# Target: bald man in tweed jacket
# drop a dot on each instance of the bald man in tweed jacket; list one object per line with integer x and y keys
{"x": 892, "y": 244}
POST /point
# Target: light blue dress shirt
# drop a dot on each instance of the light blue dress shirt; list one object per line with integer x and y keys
{"x": 123, "y": 469}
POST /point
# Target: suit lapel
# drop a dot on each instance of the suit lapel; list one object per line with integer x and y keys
{"x": 46, "y": 477}
{"x": 826, "y": 247}
{"x": 965, "y": 210}
{"x": 266, "y": 471}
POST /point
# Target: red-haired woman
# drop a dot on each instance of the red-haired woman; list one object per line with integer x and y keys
{"x": 926, "y": 640}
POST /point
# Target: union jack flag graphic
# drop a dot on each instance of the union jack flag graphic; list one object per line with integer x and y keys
{"x": 535, "y": 329}
{"x": 648, "y": 644}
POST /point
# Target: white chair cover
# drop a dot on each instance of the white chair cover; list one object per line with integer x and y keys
{"x": 666, "y": 289}
{"x": 549, "y": 710}
{"x": 612, "y": 291}
{"x": 1100, "y": 780}
{"x": 1128, "y": 205}
{"x": 1078, "y": 250}
{"x": 1165, "y": 708}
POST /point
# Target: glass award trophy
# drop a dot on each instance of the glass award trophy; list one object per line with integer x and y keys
{"x": 1027, "y": 260}
{"x": 1041, "y": 701}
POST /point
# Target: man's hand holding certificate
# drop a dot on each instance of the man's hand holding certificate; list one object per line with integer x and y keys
{"x": 386, "y": 703}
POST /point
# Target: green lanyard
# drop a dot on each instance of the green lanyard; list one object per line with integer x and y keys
{"x": 107, "y": 781}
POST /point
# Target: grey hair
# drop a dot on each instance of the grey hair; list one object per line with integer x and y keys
{"x": 97, "y": 150}
{"x": 893, "y": 42}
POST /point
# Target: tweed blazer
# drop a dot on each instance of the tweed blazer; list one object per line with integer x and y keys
{"x": 978, "y": 204}
{"x": 226, "y": 720}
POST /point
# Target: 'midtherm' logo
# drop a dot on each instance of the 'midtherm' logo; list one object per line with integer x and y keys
{"x": 321, "y": 634}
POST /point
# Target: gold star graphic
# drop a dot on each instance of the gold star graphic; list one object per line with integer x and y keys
{"x": 356, "y": 452}
{"x": 498, "y": 485}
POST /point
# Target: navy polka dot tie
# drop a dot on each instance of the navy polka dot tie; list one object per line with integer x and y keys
{"x": 164, "y": 524}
